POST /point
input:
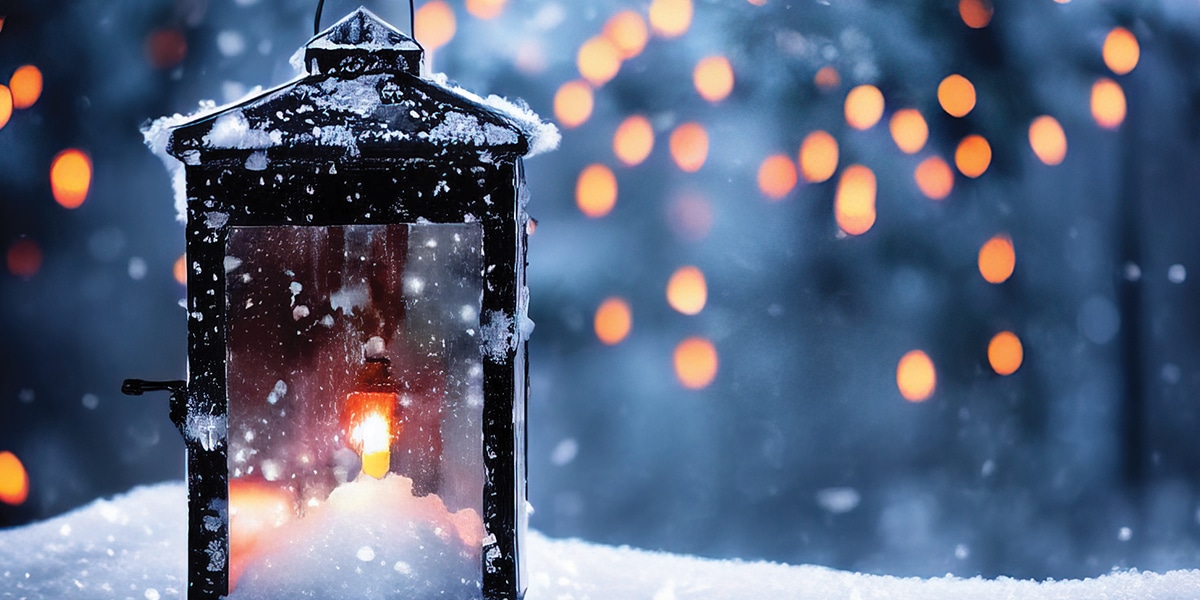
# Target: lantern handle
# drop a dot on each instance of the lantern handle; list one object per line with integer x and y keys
{"x": 178, "y": 389}
{"x": 412, "y": 19}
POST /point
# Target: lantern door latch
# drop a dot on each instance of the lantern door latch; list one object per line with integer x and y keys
{"x": 177, "y": 387}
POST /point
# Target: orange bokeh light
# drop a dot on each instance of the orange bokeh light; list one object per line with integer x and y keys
{"x": 777, "y": 176}
{"x": 975, "y": 13}
{"x": 596, "y": 191}
{"x": 486, "y": 9}
{"x": 909, "y": 130}
{"x": 24, "y": 258}
{"x": 864, "y": 107}
{"x": 713, "y": 78}
{"x": 1121, "y": 50}
{"x": 70, "y": 177}
{"x": 1005, "y": 353}
{"x": 165, "y": 47}
{"x": 934, "y": 178}
{"x": 827, "y": 78}
{"x": 818, "y": 156}
{"x": 670, "y": 18}
{"x": 613, "y": 321}
{"x": 956, "y": 94}
{"x": 14, "y": 481}
{"x": 179, "y": 270}
{"x": 6, "y": 105}
{"x": 916, "y": 376}
{"x": 435, "y": 24}
{"x": 627, "y": 31}
{"x": 25, "y": 85}
{"x": 695, "y": 363}
{"x": 1108, "y": 103}
{"x": 1047, "y": 139}
{"x": 973, "y": 156}
{"x": 633, "y": 140}
{"x": 598, "y": 60}
{"x": 689, "y": 146}
{"x": 687, "y": 292}
{"x": 573, "y": 104}
{"x": 997, "y": 259}
{"x": 854, "y": 207}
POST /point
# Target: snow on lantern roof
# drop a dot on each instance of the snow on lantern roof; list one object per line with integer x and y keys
{"x": 361, "y": 95}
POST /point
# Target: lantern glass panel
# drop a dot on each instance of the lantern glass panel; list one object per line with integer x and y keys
{"x": 355, "y": 386}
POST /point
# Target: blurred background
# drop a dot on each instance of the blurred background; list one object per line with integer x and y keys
{"x": 905, "y": 288}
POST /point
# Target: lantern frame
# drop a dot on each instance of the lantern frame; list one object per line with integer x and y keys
{"x": 298, "y": 177}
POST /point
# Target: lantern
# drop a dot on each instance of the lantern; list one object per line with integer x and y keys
{"x": 354, "y": 414}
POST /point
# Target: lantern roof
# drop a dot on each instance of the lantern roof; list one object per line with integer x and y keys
{"x": 361, "y": 95}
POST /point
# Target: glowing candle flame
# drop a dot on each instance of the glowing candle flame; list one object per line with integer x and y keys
{"x": 374, "y": 436}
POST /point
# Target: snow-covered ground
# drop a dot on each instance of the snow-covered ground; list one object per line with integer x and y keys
{"x": 133, "y": 547}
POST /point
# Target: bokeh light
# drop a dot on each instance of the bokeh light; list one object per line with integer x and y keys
{"x": 934, "y": 178}
{"x": 14, "y": 481}
{"x": 695, "y": 363}
{"x": 25, "y": 85}
{"x": 598, "y": 60}
{"x": 1005, "y": 353}
{"x": 596, "y": 191}
{"x": 70, "y": 177}
{"x": 818, "y": 156}
{"x": 573, "y": 103}
{"x": 909, "y": 130}
{"x": 776, "y": 176}
{"x": 689, "y": 146}
{"x": 975, "y": 13}
{"x": 613, "y": 321}
{"x": 973, "y": 156}
{"x": 1047, "y": 139}
{"x": 854, "y": 206}
{"x": 634, "y": 140}
{"x": 670, "y": 18}
{"x": 434, "y": 24}
{"x": 165, "y": 48}
{"x": 687, "y": 291}
{"x": 956, "y": 94}
{"x": 24, "y": 258}
{"x": 627, "y": 31}
{"x": 179, "y": 270}
{"x": 827, "y": 78}
{"x": 916, "y": 376}
{"x": 997, "y": 259}
{"x": 713, "y": 78}
{"x": 1121, "y": 50}
{"x": 486, "y": 9}
{"x": 1108, "y": 103}
{"x": 864, "y": 107}
{"x": 6, "y": 105}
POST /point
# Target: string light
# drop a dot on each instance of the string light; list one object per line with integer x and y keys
{"x": 776, "y": 176}
{"x": 689, "y": 146}
{"x": 854, "y": 206}
{"x": 973, "y": 156}
{"x": 713, "y": 78}
{"x": 695, "y": 363}
{"x": 434, "y": 24}
{"x": 864, "y": 107}
{"x": 670, "y": 18}
{"x": 909, "y": 130}
{"x": 613, "y": 321}
{"x": 627, "y": 31}
{"x": 1108, "y": 103}
{"x": 1005, "y": 353}
{"x": 916, "y": 376}
{"x": 596, "y": 191}
{"x": 956, "y": 94}
{"x": 818, "y": 156}
{"x": 1047, "y": 139}
{"x": 687, "y": 291}
{"x": 934, "y": 178}
{"x": 573, "y": 103}
{"x": 25, "y": 85}
{"x": 1121, "y": 50}
{"x": 633, "y": 140}
{"x": 997, "y": 259}
{"x": 70, "y": 177}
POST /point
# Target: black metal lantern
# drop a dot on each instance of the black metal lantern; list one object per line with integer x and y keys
{"x": 356, "y": 334}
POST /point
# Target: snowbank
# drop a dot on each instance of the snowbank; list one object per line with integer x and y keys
{"x": 133, "y": 547}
